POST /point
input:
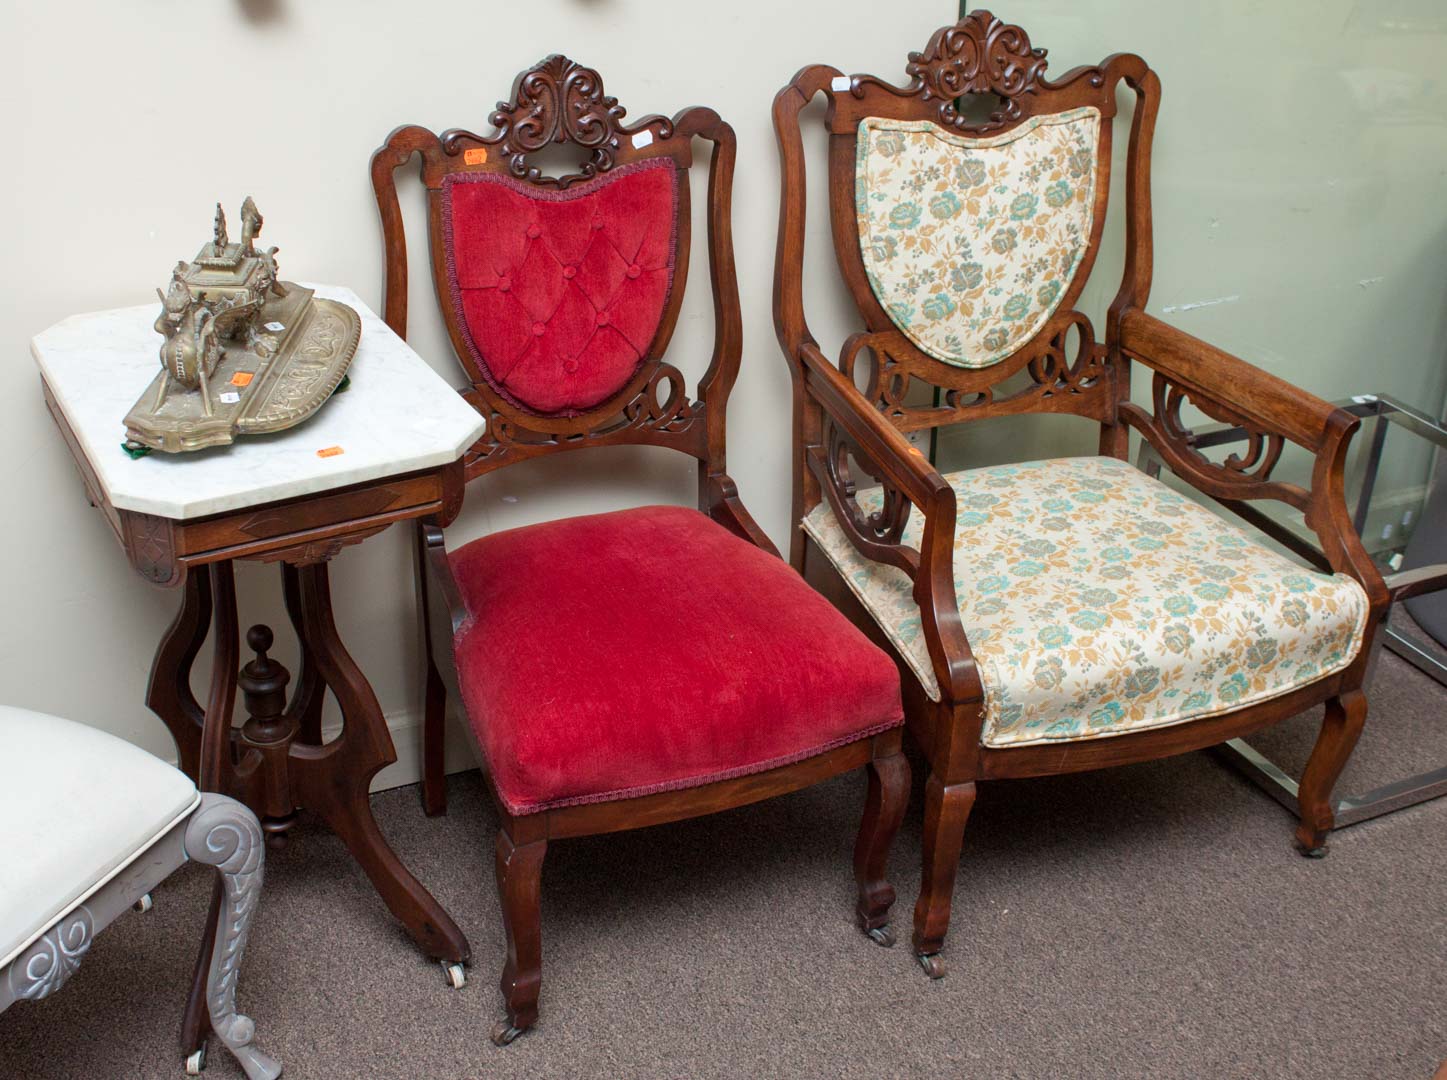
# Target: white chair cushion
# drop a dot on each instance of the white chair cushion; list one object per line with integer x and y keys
{"x": 1098, "y": 601}
{"x": 76, "y": 807}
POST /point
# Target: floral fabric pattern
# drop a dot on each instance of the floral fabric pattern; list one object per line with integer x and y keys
{"x": 970, "y": 243}
{"x": 1099, "y": 601}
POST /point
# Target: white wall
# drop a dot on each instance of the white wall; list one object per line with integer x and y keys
{"x": 1300, "y": 161}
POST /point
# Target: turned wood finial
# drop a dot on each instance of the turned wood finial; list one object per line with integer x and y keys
{"x": 259, "y": 639}
{"x": 263, "y": 683}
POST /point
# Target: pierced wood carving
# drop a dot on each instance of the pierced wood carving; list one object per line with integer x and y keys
{"x": 879, "y": 534}
{"x": 1254, "y": 464}
{"x": 885, "y": 525}
{"x": 1055, "y": 375}
{"x": 661, "y": 412}
{"x": 978, "y": 55}
{"x": 556, "y": 101}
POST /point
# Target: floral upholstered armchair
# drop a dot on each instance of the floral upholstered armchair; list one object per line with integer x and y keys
{"x": 1053, "y": 615}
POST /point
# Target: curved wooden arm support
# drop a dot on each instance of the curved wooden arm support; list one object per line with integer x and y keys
{"x": 1272, "y": 412}
{"x": 857, "y": 429}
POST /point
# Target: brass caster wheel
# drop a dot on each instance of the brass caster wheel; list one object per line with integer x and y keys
{"x": 454, "y": 973}
{"x": 196, "y": 1062}
{"x": 882, "y": 936}
{"x": 934, "y": 965}
{"x": 503, "y": 1033}
{"x": 144, "y": 904}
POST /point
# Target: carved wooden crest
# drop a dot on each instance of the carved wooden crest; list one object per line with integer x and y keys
{"x": 978, "y": 55}
{"x": 555, "y": 101}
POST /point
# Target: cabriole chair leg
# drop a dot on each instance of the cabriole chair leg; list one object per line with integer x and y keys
{"x": 519, "y": 886}
{"x": 883, "y": 811}
{"x": 946, "y": 810}
{"x": 227, "y": 836}
{"x": 1340, "y": 729}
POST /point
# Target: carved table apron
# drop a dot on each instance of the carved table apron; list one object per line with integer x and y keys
{"x": 277, "y": 763}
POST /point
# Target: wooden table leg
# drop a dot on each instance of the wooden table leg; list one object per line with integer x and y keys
{"x": 214, "y": 762}
{"x": 168, "y": 694}
{"x": 306, "y": 697}
{"x": 334, "y": 780}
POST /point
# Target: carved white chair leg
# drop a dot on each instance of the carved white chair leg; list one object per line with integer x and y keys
{"x": 224, "y": 834}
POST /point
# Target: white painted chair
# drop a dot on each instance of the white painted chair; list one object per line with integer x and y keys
{"x": 89, "y": 824}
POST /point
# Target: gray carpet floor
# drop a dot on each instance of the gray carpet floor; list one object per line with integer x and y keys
{"x": 1150, "y": 921}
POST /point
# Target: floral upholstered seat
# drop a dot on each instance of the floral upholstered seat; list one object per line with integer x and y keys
{"x": 1098, "y": 601}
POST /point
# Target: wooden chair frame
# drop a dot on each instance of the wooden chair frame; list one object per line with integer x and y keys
{"x": 835, "y": 421}
{"x": 558, "y": 101}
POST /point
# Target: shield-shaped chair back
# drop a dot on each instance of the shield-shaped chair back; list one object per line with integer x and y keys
{"x": 560, "y": 293}
{"x": 966, "y": 234}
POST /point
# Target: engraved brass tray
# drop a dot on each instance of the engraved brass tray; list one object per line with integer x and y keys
{"x": 249, "y": 394}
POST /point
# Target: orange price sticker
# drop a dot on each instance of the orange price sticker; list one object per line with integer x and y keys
{"x": 476, "y": 156}
{"x": 243, "y": 378}
{"x": 330, "y": 451}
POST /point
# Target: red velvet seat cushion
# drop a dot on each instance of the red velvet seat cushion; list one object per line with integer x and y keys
{"x": 646, "y": 650}
{"x": 561, "y": 292}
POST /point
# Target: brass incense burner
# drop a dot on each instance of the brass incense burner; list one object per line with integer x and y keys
{"x": 244, "y": 353}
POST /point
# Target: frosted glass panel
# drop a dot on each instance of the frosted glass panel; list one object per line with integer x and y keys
{"x": 1299, "y": 177}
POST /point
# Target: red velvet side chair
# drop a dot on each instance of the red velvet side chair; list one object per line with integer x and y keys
{"x": 626, "y": 669}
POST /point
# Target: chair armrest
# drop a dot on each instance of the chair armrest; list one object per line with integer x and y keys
{"x": 881, "y": 449}
{"x": 1264, "y": 400}
{"x": 885, "y": 444}
{"x": 1271, "y": 411}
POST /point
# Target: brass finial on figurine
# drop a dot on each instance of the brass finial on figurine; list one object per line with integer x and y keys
{"x": 242, "y": 352}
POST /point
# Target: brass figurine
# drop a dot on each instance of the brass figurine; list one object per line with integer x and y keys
{"x": 243, "y": 352}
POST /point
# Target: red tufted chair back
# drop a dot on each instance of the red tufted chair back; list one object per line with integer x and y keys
{"x": 560, "y": 294}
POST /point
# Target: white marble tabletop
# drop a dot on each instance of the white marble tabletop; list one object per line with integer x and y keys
{"x": 398, "y": 416}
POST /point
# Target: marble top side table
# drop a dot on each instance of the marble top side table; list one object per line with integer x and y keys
{"x": 386, "y": 450}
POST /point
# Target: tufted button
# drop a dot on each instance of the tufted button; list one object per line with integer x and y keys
{"x": 534, "y": 232}
{"x": 634, "y": 270}
{"x": 570, "y": 272}
{"x": 570, "y": 366}
{"x": 504, "y": 283}
{"x": 597, "y": 223}
{"x": 602, "y": 318}
{"x": 539, "y": 329}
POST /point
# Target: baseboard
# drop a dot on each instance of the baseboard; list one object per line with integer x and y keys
{"x": 405, "y": 729}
